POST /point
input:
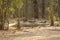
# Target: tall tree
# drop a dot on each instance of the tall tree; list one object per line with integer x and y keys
{"x": 35, "y": 6}
{"x": 59, "y": 8}
{"x": 43, "y": 8}
{"x": 4, "y": 13}
{"x": 51, "y": 11}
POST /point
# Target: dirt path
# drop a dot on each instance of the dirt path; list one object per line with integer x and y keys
{"x": 38, "y": 34}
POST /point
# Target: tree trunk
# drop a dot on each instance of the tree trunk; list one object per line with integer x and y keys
{"x": 35, "y": 6}
{"x": 43, "y": 9}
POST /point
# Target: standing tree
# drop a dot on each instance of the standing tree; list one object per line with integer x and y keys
{"x": 51, "y": 12}
{"x": 43, "y": 9}
{"x": 18, "y": 5}
{"x": 59, "y": 8}
{"x": 3, "y": 14}
{"x": 35, "y": 6}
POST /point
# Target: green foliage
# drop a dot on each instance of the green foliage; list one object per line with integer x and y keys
{"x": 17, "y": 3}
{"x": 7, "y": 7}
{"x": 11, "y": 9}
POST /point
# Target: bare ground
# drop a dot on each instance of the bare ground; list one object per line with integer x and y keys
{"x": 36, "y": 33}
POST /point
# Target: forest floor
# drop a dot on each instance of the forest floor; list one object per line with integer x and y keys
{"x": 29, "y": 33}
{"x": 36, "y": 33}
